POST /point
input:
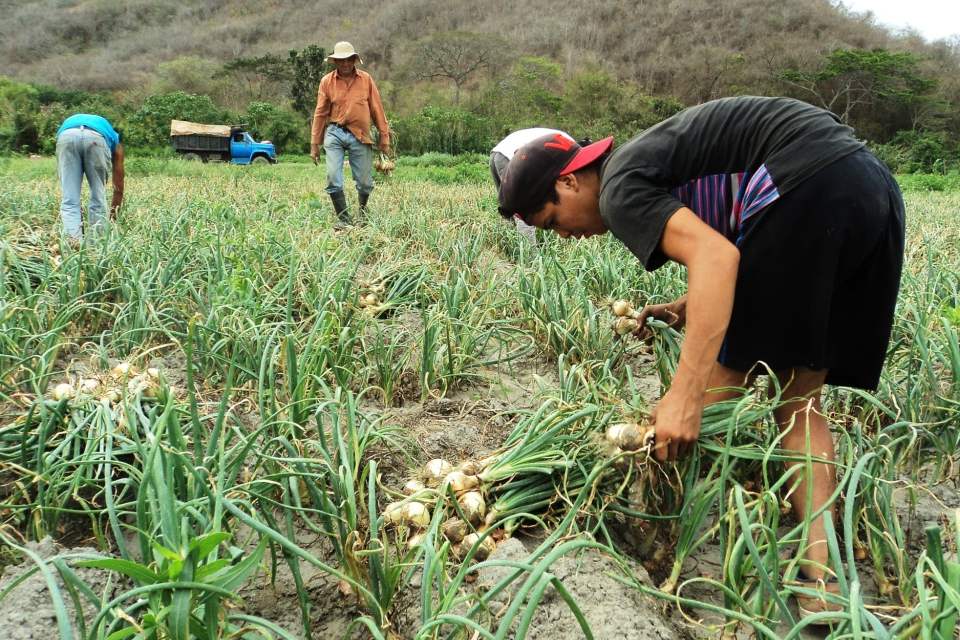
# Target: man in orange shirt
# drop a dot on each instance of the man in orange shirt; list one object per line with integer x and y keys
{"x": 347, "y": 101}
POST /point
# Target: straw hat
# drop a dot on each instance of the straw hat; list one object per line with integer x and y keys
{"x": 342, "y": 51}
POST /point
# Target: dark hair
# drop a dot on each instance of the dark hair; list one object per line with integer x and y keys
{"x": 549, "y": 193}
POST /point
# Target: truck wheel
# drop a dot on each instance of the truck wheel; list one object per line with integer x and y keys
{"x": 192, "y": 157}
{"x": 261, "y": 160}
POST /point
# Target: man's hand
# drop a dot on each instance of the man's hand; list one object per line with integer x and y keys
{"x": 315, "y": 153}
{"x": 673, "y": 313}
{"x": 676, "y": 420}
{"x": 384, "y": 148}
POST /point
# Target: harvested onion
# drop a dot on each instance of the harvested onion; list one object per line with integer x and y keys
{"x": 623, "y": 309}
{"x": 63, "y": 391}
{"x": 435, "y": 471}
{"x": 630, "y": 436}
{"x": 460, "y": 482}
{"x": 471, "y": 467}
{"x": 89, "y": 385}
{"x": 623, "y": 326}
{"x": 122, "y": 370}
{"x": 454, "y": 530}
{"x": 483, "y": 551}
{"x": 474, "y": 506}
{"x": 413, "y": 487}
{"x": 417, "y": 515}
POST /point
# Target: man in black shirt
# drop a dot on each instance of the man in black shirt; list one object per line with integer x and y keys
{"x": 792, "y": 235}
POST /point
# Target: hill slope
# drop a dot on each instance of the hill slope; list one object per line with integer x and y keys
{"x": 694, "y": 49}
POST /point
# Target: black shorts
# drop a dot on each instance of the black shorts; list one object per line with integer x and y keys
{"x": 819, "y": 275}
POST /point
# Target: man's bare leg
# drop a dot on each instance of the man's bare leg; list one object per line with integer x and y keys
{"x": 802, "y": 413}
{"x": 800, "y": 418}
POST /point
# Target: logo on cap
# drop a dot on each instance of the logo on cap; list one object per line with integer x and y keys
{"x": 560, "y": 142}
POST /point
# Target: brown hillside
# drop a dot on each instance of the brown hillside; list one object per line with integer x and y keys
{"x": 694, "y": 49}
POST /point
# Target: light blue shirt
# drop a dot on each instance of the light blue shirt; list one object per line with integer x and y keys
{"x": 98, "y": 123}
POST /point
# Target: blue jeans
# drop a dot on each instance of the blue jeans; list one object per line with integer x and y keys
{"x": 82, "y": 152}
{"x": 336, "y": 143}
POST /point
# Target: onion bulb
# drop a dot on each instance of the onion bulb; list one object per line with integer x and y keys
{"x": 63, "y": 391}
{"x": 473, "y": 505}
{"x": 415, "y": 540}
{"x": 460, "y": 482}
{"x": 393, "y": 513}
{"x": 630, "y": 436}
{"x": 454, "y": 530}
{"x": 122, "y": 370}
{"x": 435, "y": 471}
{"x": 483, "y": 551}
{"x": 89, "y": 385}
{"x": 623, "y": 309}
{"x": 154, "y": 373}
{"x": 417, "y": 515}
{"x": 623, "y": 326}
{"x": 413, "y": 487}
{"x": 471, "y": 467}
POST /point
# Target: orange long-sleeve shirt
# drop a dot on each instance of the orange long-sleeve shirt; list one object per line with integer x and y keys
{"x": 352, "y": 102}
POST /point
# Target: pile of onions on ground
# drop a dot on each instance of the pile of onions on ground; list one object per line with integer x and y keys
{"x": 110, "y": 386}
{"x": 438, "y": 485}
{"x": 371, "y": 295}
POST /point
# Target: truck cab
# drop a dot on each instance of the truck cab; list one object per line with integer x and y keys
{"x": 245, "y": 150}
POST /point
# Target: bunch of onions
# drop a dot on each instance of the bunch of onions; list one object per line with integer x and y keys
{"x": 384, "y": 164}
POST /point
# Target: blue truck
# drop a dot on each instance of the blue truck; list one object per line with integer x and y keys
{"x": 219, "y": 143}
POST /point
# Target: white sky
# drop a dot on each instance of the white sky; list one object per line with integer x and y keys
{"x": 934, "y": 19}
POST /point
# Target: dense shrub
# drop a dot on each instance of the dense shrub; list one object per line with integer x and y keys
{"x": 18, "y": 103}
{"x": 924, "y": 152}
{"x": 283, "y": 128}
{"x": 443, "y": 129}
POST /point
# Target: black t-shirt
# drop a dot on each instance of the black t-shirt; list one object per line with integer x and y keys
{"x": 792, "y": 139}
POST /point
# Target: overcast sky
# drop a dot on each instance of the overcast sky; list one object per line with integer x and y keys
{"x": 934, "y": 19}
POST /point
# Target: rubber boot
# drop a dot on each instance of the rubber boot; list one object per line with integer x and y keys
{"x": 340, "y": 208}
{"x": 363, "y": 204}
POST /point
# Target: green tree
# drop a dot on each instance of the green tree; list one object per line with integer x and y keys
{"x": 307, "y": 65}
{"x": 262, "y": 75}
{"x": 150, "y": 125}
{"x": 868, "y": 86}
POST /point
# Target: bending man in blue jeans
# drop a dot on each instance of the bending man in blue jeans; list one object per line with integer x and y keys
{"x": 347, "y": 101}
{"x": 88, "y": 145}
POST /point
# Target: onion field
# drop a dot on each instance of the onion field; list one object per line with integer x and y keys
{"x": 223, "y": 419}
